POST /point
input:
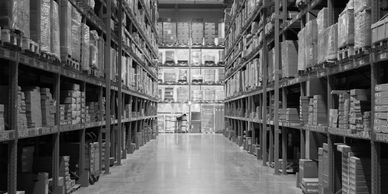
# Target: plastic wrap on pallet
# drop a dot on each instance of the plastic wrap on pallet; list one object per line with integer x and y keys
{"x": 311, "y": 38}
{"x": 76, "y": 34}
{"x": 100, "y": 56}
{"x": 332, "y": 40}
{"x": 40, "y": 23}
{"x": 93, "y": 50}
{"x": 85, "y": 52}
{"x": 322, "y": 46}
{"x": 362, "y": 29}
{"x": 55, "y": 44}
{"x": 322, "y": 20}
{"x": 301, "y": 50}
{"x": 15, "y": 14}
{"x": 289, "y": 61}
{"x": 65, "y": 30}
{"x": 360, "y": 5}
{"x": 346, "y": 28}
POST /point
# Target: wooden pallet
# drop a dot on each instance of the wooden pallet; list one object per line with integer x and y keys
{"x": 346, "y": 53}
{"x": 71, "y": 63}
{"x": 11, "y": 39}
{"x": 30, "y": 47}
{"x": 380, "y": 45}
{"x": 359, "y": 52}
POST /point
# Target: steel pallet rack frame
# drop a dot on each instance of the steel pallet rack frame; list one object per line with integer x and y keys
{"x": 17, "y": 59}
{"x": 326, "y": 76}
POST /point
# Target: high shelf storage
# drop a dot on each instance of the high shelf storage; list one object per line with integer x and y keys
{"x": 305, "y": 90}
{"x": 78, "y": 89}
{"x": 191, "y": 75}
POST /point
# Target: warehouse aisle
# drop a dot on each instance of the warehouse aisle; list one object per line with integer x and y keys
{"x": 192, "y": 164}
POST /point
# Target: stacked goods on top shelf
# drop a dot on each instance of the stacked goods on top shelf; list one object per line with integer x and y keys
{"x": 289, "y": 61}
{"x": 183, "y": 31}
{"x": 40, "y": 27}
{"x": 2, "y": 121}
{"x": 15, "y": 14}
{"x": 346, "y": 26}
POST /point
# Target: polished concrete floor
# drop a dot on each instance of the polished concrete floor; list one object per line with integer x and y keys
{"x": 192, "y": 164}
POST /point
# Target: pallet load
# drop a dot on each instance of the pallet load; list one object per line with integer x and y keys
{"x": 210, "y": 33}
{"x": 333, "y": 118}
{"x": 289, "y": 61}
{"x": 197, "y": 33}
{"x": 55, "y": 30}
{"x": 311, "y": 44}
{"x": 381, "y": 108}
{"x": 169, "y": 33}
{"x": 71, "y": 102}
{"x": 308, "y": 176}
{"x": 33, "y": 107}
{"x": 15, "y": 14}
{"x": 359, "y": 104}
{"x": 48, "y": 107}
{"x": 85, "y": 50}
{"x": 332, "y": 43}
{"x": 183, "y": 56}
{"x": 343, "y": 108}
{"x": 40, "y": 23}
{"x": 291, "y": 115}
{"x": 323, "y": 166}
{"x": 64, "y": 170}
{"x": 317, "y": 111}
{"x": 182, "y": 94}
{"x": 362, "y": 30}
{"x": 346, "y": 32}
{"x": 209, "y": 76}
{"x": 209, "y": 95}
{"x": 322, "y": 23}
{"x": 183, "y": 78}
{"x": 301, "y": 50}
{"x": 183, "y": 35}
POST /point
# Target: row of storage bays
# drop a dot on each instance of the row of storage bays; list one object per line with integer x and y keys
{"x": 37, "y": 27}
{"x": 204, "y": 118}
{"x": 193, "y": 93}
{"x": 349, "y": 159}
{"x": 316, "y": 43}
{"x": 184, "y": 75}
{"x": 81, "y": 162}
{"x": 79, "y": 103}
{"x": 197, "y": 57}
{"x": 197, "y": 32}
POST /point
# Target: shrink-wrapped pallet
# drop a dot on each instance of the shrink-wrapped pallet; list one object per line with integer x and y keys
{"x": 289, "y": 61}
{"x": 93, "y": 50}
{"x": 76, "y": 34}
{"x": 65, "y": 30}
{"x": 322, "y": 21}
{"x": 322, "y": 46}
{"x": 360, "y": 5}
{"x": 100, "y": 56}
{"x": 362, "y": 29}
{"x": 311, "y": 38}
{"x": 15, "y": 14}
{"x": 346, "y": 28}
{"x": 85, "y": 51}
{"x": 40, "y": 23}
{"x": 55, "y": 44}
{"x": 301, "y": 50}
{"x": 332, "y": 40}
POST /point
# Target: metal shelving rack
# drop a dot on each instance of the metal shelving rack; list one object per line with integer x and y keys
{"x": 113, "y": 92}
{"x": 325, "y": 74}
{"x": 190, "y": 67}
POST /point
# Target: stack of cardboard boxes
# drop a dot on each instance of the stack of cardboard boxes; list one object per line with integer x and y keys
{"x": 48, "y": 107}
{"x": 291, "y": 115}
{"x": 71, "y": 105}
{"x": 92, "y": 112}
{"x": 317, "y": 111}
{"x": 359, "y": 109}
{"x": 169, "y": 32}
{"x": 22, "y": 110}
{"x": 304, "y": 104}
{"x": 33, "y": 107}
{"x": 381, "y": 108}
{"x": 65, "y": 172}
